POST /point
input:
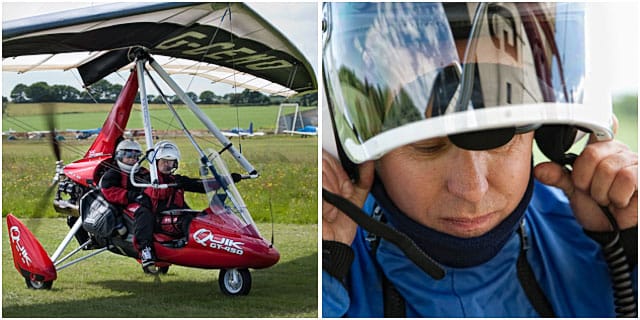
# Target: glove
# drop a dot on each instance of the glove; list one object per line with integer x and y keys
{"x": 131, "y": 196}
{"x": 178, "y": 180}
{"x": 144, "y": 200}
{"x": 236, "y": 177}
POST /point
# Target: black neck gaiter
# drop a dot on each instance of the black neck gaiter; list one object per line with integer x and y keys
{"x": 450, "y": 250}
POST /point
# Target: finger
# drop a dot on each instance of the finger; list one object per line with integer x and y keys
{"x": 329, "y": 212}
{"x": 629, "y": 218}
{"x": 552, "y": 174}
{"x": 584, "y": 167}
{"x": 331, "y": 177}
{"x": 604, "y": 175}
{"x": 332, "y": 173}
{"x": 366, "y": 173}
{"x": 624, "y": 187}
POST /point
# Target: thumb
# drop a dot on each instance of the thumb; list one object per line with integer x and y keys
{"x": 552, "y": 174}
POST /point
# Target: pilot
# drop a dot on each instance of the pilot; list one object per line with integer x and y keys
{"x": 434, "y": 142}
{"x": 115, "y": 184}
{"x": 154, "y": 200}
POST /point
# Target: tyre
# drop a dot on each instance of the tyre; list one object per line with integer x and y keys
{"x": 154, "y": 269}
{"x": 235, "y": 282}
{"x": 38, "y": 285}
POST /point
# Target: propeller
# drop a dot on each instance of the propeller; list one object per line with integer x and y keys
{"x": 45, "y": 200}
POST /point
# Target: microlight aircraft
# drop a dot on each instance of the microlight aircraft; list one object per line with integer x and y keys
{"x": 307, "y": 130}
{"x": 242, "y": 132}
{"x": 223, "y": 42}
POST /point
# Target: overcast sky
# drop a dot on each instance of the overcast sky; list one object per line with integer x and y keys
{"x": 297, "y": 21}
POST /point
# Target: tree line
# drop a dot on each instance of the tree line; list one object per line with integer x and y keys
{"x": 104, "y": 91}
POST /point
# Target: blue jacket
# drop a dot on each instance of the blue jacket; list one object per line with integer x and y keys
{"x": 568, "y": 265}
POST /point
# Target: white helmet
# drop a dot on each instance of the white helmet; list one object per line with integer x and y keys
{"x": 397, "y": 73}
{"x": 167, "y": 150}
{"x": 129, "y": 149}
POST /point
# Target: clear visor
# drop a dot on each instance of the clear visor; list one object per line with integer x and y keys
{"x": 396, "y": 73}
{"x": 134, "y": 154}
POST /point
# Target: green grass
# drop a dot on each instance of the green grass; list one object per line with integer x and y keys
{"x": 28, "y": 117}
{"x": 287, "y": 184}
{"x": 111, "y": 286}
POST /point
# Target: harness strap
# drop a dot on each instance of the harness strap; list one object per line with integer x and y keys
{"x": 528, "y": 281}
{"x": 393, "y": 302}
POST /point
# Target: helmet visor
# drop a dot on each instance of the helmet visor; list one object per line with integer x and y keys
{"x": 396, "y": 73}
{"x": 135, "y": 154}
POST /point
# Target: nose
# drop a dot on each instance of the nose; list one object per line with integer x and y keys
{"x": 468, "y": 175}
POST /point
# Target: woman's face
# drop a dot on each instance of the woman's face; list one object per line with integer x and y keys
{"x": 455, "y": 191}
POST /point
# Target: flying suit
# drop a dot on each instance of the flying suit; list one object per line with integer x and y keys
{"x": 163, "y": 199}
{"x": 569, "y": 267}
{"x": 116, "y": 186}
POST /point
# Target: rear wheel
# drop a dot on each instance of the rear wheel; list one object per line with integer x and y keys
{"x": 38, "y": 285}
{"x": 235, "y": 282}
{"x": 154, "y": 269}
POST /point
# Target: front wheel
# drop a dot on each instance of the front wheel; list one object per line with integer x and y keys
{"x": 38, "y": 285}
{"x": 235, "y": 282}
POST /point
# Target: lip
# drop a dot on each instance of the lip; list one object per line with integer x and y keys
{"x": 470, "y": 225}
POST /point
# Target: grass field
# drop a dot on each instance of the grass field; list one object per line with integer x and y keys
{"x": 112, "y": 286}
{"x": 287, "y": 183}
{"x": 28, "y": 117}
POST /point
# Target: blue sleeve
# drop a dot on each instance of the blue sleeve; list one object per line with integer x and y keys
{"x": 335, "y": 298}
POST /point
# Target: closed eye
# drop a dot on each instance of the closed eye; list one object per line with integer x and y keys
{"x": 432, "y": 146}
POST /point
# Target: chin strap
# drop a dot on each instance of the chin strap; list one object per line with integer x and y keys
{"x": 401, "y": 240}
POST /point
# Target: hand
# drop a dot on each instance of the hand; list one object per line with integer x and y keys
{"x": 180, "y": 181}
{"x": 144, "y": 200}
{"x": 336, "y": 225}
{"x": 236, "y": 177}
{"x": 605, "y": 174}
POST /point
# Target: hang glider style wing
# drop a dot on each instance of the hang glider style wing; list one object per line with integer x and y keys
{"x": 223, "y": 42}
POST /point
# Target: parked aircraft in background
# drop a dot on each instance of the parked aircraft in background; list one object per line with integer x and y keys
{"x": 9, "y": 132}
{"x": 37, "y": 135}
{"x": 305, "y": 131}
{"x": 241, "y": 132}
{"x": 84, "y": 134}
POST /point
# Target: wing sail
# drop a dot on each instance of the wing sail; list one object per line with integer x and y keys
{"x": 219, "y": 41}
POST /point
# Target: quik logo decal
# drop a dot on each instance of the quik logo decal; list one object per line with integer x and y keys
{"x": 207, "y": 239}
{"x": 14, "y": 233}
